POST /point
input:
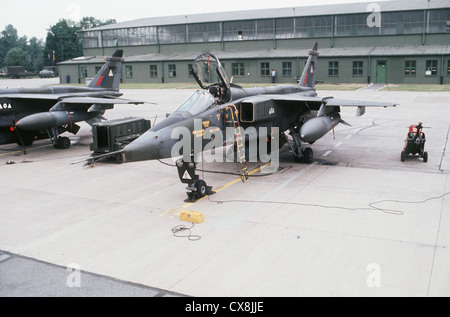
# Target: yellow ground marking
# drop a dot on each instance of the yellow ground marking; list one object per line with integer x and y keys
{"x": 29, "y": 149}
{"x": 175, "y": 211}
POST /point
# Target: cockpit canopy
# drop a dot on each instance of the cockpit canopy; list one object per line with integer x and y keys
{"x": 198, "y": 102}
{"x": 210, "y": 75}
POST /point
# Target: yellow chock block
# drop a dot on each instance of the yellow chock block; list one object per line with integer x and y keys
{"x": 191, "y": 216}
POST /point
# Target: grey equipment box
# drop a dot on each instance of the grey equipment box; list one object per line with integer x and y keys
{"x": 114, "y": 135}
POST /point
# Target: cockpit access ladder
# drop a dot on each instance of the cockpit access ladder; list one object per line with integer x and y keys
{"x": 233, "y": 120}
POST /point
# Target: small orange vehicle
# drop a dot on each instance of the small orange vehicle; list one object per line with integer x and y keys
{"x": 415, "y": 143}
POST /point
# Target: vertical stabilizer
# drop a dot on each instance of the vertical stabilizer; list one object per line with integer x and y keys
{"x": 109, "y": 74}
{"x": 308, "y": 78}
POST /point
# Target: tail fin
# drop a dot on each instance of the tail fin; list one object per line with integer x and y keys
{"x": 308, "y": 78}
{"x": 109, "y": 74}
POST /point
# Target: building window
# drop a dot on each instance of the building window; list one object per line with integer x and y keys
{"x": 354, "y": 25}
{"x": 264, "y": 29}
{"x": 438, "y": 21}
{"x": 357, "y": 69}
{"x": 406, "y": 22}
{"x": 265, "y": 69}
{"x": 172, "y": 34}
{"x": 204, "y": 32}
{"x": 239, "y": 30}
{"x": 287, "y": 69}
{"x": 410, "y": 68}
{"x": 153, "y": 71}
{"x": 91, "y": 39}
{"x": 311, "y": 27}
{"x": 333, "y": 69}
{"x": 238, "y": 69}
{"x": 129, "y": 71}
{"x": 448, "y": 67}
{"x": 285, "y": 28}
{"x": 172, "y": 70}
{"x": 190, "y": 73}
{"x": 431, "y": 67}
{"x": 97, "y": 69}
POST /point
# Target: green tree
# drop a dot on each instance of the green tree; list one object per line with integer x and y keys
{"x": 91, "y": 22}
{"x": 8, "y": 40}
{"x": 35, "y": 49}
{"x": 64, "y": 41}
{"x": 20, "y": 51}
{"x": 16, "y": 57}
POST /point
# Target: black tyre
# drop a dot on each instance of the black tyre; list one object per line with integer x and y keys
{"x": 62, "y": 143}
{"x": 403, "y": 156}
{"x": 425, "y": 157}
{"x": 308, "y": 155}
{"x": 201, "y": 188}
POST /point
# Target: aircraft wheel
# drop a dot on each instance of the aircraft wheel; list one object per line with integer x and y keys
{"x": 119, "y": 159}
{"x": 201, "y": 188}
{"x": 308, "y": 155}
{"x": 425, "y": 157}
{"x": 62, "y": 143}
{"x": 403, "y": 156}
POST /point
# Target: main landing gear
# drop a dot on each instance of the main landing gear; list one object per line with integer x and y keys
{"x": 197, "y": 187}
{"x": 59, "y": 142}
{"x": 300, "y": 155}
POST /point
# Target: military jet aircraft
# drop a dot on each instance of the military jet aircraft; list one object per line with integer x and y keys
{"x": 30, "y": 114}
{"x": 221, "y": 107}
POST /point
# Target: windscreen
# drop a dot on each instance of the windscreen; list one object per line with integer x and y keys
{"x": 199, "y": 101}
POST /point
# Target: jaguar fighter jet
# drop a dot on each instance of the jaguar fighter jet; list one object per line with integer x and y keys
{"x": 30, "y": 114}
{"x": 221, "y": 107}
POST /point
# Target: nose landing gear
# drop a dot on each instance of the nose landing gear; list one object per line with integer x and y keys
{"x": 197, "y": 188}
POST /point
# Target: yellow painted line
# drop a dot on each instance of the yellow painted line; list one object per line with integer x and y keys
{"x": 29, "y": 149}
{"x": 176, "y": 211}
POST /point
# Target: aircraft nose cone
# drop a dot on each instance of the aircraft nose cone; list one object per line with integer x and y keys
{"x": 143, "y": 148}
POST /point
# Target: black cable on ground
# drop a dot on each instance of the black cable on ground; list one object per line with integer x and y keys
{"x": 177, "y": 232}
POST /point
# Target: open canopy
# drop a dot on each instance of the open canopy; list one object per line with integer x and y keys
{"x": 210, "y": 75}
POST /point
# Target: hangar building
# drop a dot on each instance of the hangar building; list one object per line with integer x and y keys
{"x": 374, "y": 42}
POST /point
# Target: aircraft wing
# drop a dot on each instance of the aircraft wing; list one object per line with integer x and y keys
{"x": 57, "y": 97}
{"x": 92, "y": 104}
{"x": 316, "y": 102}
{"x": 294, "y": 97}
{"x": 31, "y": 96}
{"x": 319, "y": 104}
{"x": 357, "y": 103}
{"x": 99, "y": 101}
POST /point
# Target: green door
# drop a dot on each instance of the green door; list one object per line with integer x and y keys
{"x": 381, "y": 72}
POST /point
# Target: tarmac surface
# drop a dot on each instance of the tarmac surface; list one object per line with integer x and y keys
{"x": 356, "y": 222}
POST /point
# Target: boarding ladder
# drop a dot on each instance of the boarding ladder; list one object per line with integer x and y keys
{"x": 233, "y": 120}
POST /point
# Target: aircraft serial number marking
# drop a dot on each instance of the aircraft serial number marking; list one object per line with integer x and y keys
{"x": 5, "y": 106}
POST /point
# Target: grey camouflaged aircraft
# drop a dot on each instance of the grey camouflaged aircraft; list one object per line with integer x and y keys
{"x": 221, "y": 106}
{"x": 29, "y": 114}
